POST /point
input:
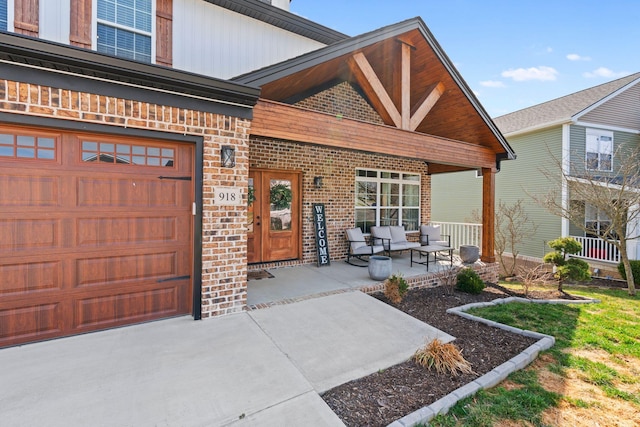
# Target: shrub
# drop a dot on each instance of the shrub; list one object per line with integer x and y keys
{"x": 635, "y": 269}
{"x": 469, "y": 281}
{"x": 444, "y": 357}
{"x": 395, "y": 288}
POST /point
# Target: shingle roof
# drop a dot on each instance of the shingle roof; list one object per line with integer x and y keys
{"x": 559, "y": 109}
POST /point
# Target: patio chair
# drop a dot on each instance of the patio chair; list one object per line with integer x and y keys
{"x": 430, "y": 235}
{"x": 392, "y": 237}
{"x": 360, "y": 248}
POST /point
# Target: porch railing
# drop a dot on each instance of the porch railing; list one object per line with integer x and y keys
{"x": 597, "y": 249}
{"x": 461, "y": 233}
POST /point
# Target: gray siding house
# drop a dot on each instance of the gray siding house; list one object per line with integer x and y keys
{"x": 587, "y": 127}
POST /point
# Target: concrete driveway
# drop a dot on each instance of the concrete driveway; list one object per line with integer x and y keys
{"x": 265, "y": 367}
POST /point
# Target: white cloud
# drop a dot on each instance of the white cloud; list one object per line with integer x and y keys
{"x": 541, "y": 73}
{"x": 576, "y": 57}
{"x": 492, "y": 83}
{"x": 606, "y": 73}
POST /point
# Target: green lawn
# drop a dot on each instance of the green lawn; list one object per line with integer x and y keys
{"x": 596, "y": 344}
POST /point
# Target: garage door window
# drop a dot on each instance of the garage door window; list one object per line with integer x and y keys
{"x": 27, "y": 147}
{"x": 109, "y": 152}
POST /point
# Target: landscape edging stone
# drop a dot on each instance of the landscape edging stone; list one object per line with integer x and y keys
{"x": 497, "y": 374}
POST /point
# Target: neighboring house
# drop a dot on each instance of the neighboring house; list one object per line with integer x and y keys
{"x": 139, "y": 179}
{"x": 586, "y": 127}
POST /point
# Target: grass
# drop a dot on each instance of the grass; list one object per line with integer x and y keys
{"x": 609, "y": 330}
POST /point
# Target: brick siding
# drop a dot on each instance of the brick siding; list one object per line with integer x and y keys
{"x": 337, "y": 167}
{"x": 344, "y": 101}
{"x": 224, "y": 269}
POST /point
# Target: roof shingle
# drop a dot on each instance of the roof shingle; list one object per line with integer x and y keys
{"x": 559, "y": 109}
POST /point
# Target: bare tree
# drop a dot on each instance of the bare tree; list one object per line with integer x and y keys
{"x": 615, "y": 194}
{"x": 512, "y": 227}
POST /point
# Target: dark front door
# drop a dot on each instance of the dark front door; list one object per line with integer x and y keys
{"x": 274, "y": 216}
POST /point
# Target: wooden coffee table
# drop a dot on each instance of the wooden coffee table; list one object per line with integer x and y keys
{"x": 428, "y": 250}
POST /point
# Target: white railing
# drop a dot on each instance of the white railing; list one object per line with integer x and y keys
{"x": 461, "y": 233}
{"x": 597, "y": 249}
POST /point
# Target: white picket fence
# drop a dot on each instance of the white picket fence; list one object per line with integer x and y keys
{"x": 471, "y": 234}
{"x": 461, "y": 233}
{"x": 597, "y": 249}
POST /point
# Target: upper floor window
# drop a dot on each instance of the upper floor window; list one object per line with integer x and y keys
{"x": 599, "y": 150}
{"x": 387, "y": 198}
{"x": 124, "y": 28}
{"x": 4, "y": 15}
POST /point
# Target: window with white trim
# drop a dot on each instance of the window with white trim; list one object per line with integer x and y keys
{"x": 596, "y": 221}
{"x": 599, "y": 150}
{"x": 387, "y": 198}
{"x": 4, "y": 15}
{"x": 125, "y": 28}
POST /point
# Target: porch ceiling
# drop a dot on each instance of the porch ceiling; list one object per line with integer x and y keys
{"x": 455, "y": 115}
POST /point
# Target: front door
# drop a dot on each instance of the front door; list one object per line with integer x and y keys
{"x": 274, "y": 216}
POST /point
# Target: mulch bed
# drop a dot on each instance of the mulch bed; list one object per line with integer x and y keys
{"x": 381, "y": 398}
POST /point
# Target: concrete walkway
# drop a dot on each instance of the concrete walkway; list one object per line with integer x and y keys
{"x": 264, "y": 367}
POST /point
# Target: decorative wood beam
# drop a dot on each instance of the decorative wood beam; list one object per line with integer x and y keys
{"x": 436, "y": 168}
{"x": 425, "y": 105}
{"x": 405, "y": 86}
{"x": 282, "y": 121}
{"x": 488, "y": 214}
{"x": 373, "y": 88}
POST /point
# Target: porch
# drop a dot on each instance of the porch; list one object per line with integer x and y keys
{"x": 291, "y": 284}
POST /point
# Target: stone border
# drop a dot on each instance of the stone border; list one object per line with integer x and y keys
{"x": 496, "y": 375}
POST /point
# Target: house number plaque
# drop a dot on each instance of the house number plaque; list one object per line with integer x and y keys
{"x": 320, "y": 225}
{"x": 228, "y": 196}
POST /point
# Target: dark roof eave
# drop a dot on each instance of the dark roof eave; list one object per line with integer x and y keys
{"x": 49, "y": 55}
{"x": 282, "y": 19}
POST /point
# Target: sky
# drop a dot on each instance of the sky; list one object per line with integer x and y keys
{"x": 512, "y": 53}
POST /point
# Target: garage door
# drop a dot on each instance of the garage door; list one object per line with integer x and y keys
{"x": 95, "y": 232}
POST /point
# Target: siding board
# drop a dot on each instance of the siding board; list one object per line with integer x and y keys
{"x": 235, "y": 44}
{"x": 456, "y": 195}
{"x": 621, "y": 111}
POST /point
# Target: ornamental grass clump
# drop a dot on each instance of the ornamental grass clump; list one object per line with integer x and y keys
{"x": 445, "y": 358}
{"x": 395, "y": 288}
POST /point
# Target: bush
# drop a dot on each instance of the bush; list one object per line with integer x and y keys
{"x": 395, "y": 288}
{"x": 635, "y": 269}
{"x": 469, "y": 281}
{"x": 443, "y": 357}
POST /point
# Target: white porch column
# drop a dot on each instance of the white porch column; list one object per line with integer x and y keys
{"x": 633, "y": 232}
{"x": 566, "y": 171}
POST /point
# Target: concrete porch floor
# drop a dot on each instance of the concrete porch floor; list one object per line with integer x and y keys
{"x": 299, "y": 282}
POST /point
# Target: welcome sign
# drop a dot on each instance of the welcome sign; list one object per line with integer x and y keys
{"x": 322, "y": 244}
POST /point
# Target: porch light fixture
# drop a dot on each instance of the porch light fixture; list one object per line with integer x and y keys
{"x": 317, "y": 182}
{"x": 228, "y": 156}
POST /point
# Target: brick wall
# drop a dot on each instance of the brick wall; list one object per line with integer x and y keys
{"x": 342, "y": 100}
{"x": 224, "y": 273}
{"x": 337, "y": 167}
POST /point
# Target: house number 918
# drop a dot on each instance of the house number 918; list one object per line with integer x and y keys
{"x": 228, "y": 196}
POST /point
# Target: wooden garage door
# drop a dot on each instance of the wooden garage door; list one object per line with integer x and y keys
{"x": 95, "y": 232}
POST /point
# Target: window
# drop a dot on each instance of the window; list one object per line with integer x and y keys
{"x": 387, "y": 198}
{"x": 109, "y": 152}
{"x": 596, "y": 221}
{"x": 6, "y": 15}
{"x": 3, "y": 15}
{"x": 27, "y": 147}
{"x": 124, "y": 28}
{"x": 599, "y": 150}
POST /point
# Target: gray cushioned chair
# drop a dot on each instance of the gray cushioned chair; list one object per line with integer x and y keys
{"x": 359, "y": 247}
